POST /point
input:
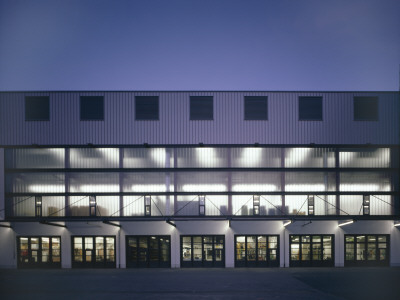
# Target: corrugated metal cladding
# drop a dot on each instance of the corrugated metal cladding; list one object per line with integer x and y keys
{"x": 175, "y": 127}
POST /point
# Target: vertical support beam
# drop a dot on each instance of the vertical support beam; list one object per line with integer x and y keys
{"x": 121, "y": 182}
{"x": 167, "y": 181}
{"x": 337, "y": 181}
{"x": 2, "y": 187}
{"x": 326, "y": 183}
{"x": 67, "y": 164}
{"x": 283, "y": 180}
{"x": 230, "y": 209}
{"x": 175, "y": 167}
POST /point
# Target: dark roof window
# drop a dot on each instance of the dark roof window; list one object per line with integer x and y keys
{"x": 201, "y": 108}
{"x": 256, "y": 108}
{"x": 37, "y": 108}
{"x": 310, "y": 108}
{"x": 92, "y": 108}
{"x": 146, "y": 107}
{"x": 365, "y": 108}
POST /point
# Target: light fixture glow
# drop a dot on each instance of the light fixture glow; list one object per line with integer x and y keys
{"x": 254, "y": 188}
{"x": 286, "y": 223}
{"x": 203, "y": 188}
{"x": 347, "y": 222}
{"x": 396, "y": 223}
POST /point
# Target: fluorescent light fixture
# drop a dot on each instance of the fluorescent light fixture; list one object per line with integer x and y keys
{"x": 286, "y": 223}
{"x": 346, "y": 222}
{"x": 397, "y": 224}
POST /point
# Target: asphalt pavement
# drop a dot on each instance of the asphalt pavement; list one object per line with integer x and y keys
{"x": 246, "y": 283}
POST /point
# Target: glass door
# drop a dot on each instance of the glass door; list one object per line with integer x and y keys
{"x": 366, "y": 250}
{"x": 256, "y": 251}
{"x": 202, "y": 251}
{"x": 148, "y": 252}
{"x": 39, "y": 252}
{"x": 93, "y": 252}
{"x": 311, "y": 251}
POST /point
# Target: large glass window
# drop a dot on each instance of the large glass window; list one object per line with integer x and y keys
{"x": 39, "y": 252}
{"x": 148, "y": 251}
{"x": 366, "y": 250}
{"x": 203, "y": 251}
{"x": 93, "y": 252}
{"x": 311, "y": 251}
{"x": 256, "y": 251}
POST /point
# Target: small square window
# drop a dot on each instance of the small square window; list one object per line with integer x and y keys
{"x": 310, "y": 108}
{"x": 365, "y": 108}
{"x": 256, "y": 108}
{"x": 201, "y": 108}
{"x": 37, "y": 108}
{"x": 92, "y": 108}
{"x": 146, "y": 107}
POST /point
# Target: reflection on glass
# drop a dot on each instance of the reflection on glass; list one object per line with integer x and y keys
{"x": 295, "y": 252}
{"x": 186, "y": 249}
{"x": 197, "y": 255}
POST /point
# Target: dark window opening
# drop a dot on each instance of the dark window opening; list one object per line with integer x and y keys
{"x": 148, "y": 251}
{"x": 201, "y": 108}
{"x": 92, "y": 108}
{"x": 256, "y": 108}
{"x": 37, "y": 108}
{"x": 365, "y": 108}
{"x": 38, "y": 206}
{"x": 92, "y": 206}
{"x": 146, "y": 107}
{"x": 366, "y": 205}
{"x": 310, "y": 108}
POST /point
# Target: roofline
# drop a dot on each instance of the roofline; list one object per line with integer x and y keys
{"x": 190, "y": 91}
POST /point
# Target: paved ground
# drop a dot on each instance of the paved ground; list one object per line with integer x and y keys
{"x": 324, "y": 283}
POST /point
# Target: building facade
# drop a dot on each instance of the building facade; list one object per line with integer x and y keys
{"x": 199, "y": 179}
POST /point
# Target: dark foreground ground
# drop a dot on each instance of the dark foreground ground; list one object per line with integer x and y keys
{"x": 329, "y": 283}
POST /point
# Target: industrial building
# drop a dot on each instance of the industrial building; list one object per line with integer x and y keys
{"x": 176, "y": 179}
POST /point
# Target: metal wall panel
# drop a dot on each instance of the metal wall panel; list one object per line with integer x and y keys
{"x": 174, "y": 127}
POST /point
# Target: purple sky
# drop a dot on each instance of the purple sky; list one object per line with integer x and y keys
{"x": 199, "y": 45}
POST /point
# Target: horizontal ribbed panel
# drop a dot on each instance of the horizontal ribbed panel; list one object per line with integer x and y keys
{"x": 175, "y": 127}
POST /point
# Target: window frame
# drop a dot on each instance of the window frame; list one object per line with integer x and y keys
{"x": 300, "y": 118}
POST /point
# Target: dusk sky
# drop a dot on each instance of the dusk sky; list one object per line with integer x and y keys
{"x": 265, "y": 45}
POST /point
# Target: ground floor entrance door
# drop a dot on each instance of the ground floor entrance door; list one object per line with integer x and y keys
{"x": 93, "y": 252}
{"x": 369, "y": 250}
{"x": 148, "y": 251}
{"x": 39, "y": 252}
{"x": 256, "y": 251}
{"x": 311, "y": 250}
{"x": 203, "y": 251}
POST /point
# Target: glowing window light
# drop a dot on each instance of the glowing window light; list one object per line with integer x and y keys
{"x": 100, "y": 188}
{"x": 151, "y": 188}
{"x": 46, "y": 188}
{"x": 254, "y": 188}
{"x": 296, "y": 156}
{"x": 304, "y": 187}
{"x": 111, "y": 154}
{"x": 250, "y": 157}
{"x": 158, "y": 155}
{"x": 204, "y": 188}
{"x": 348, "y": 187}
